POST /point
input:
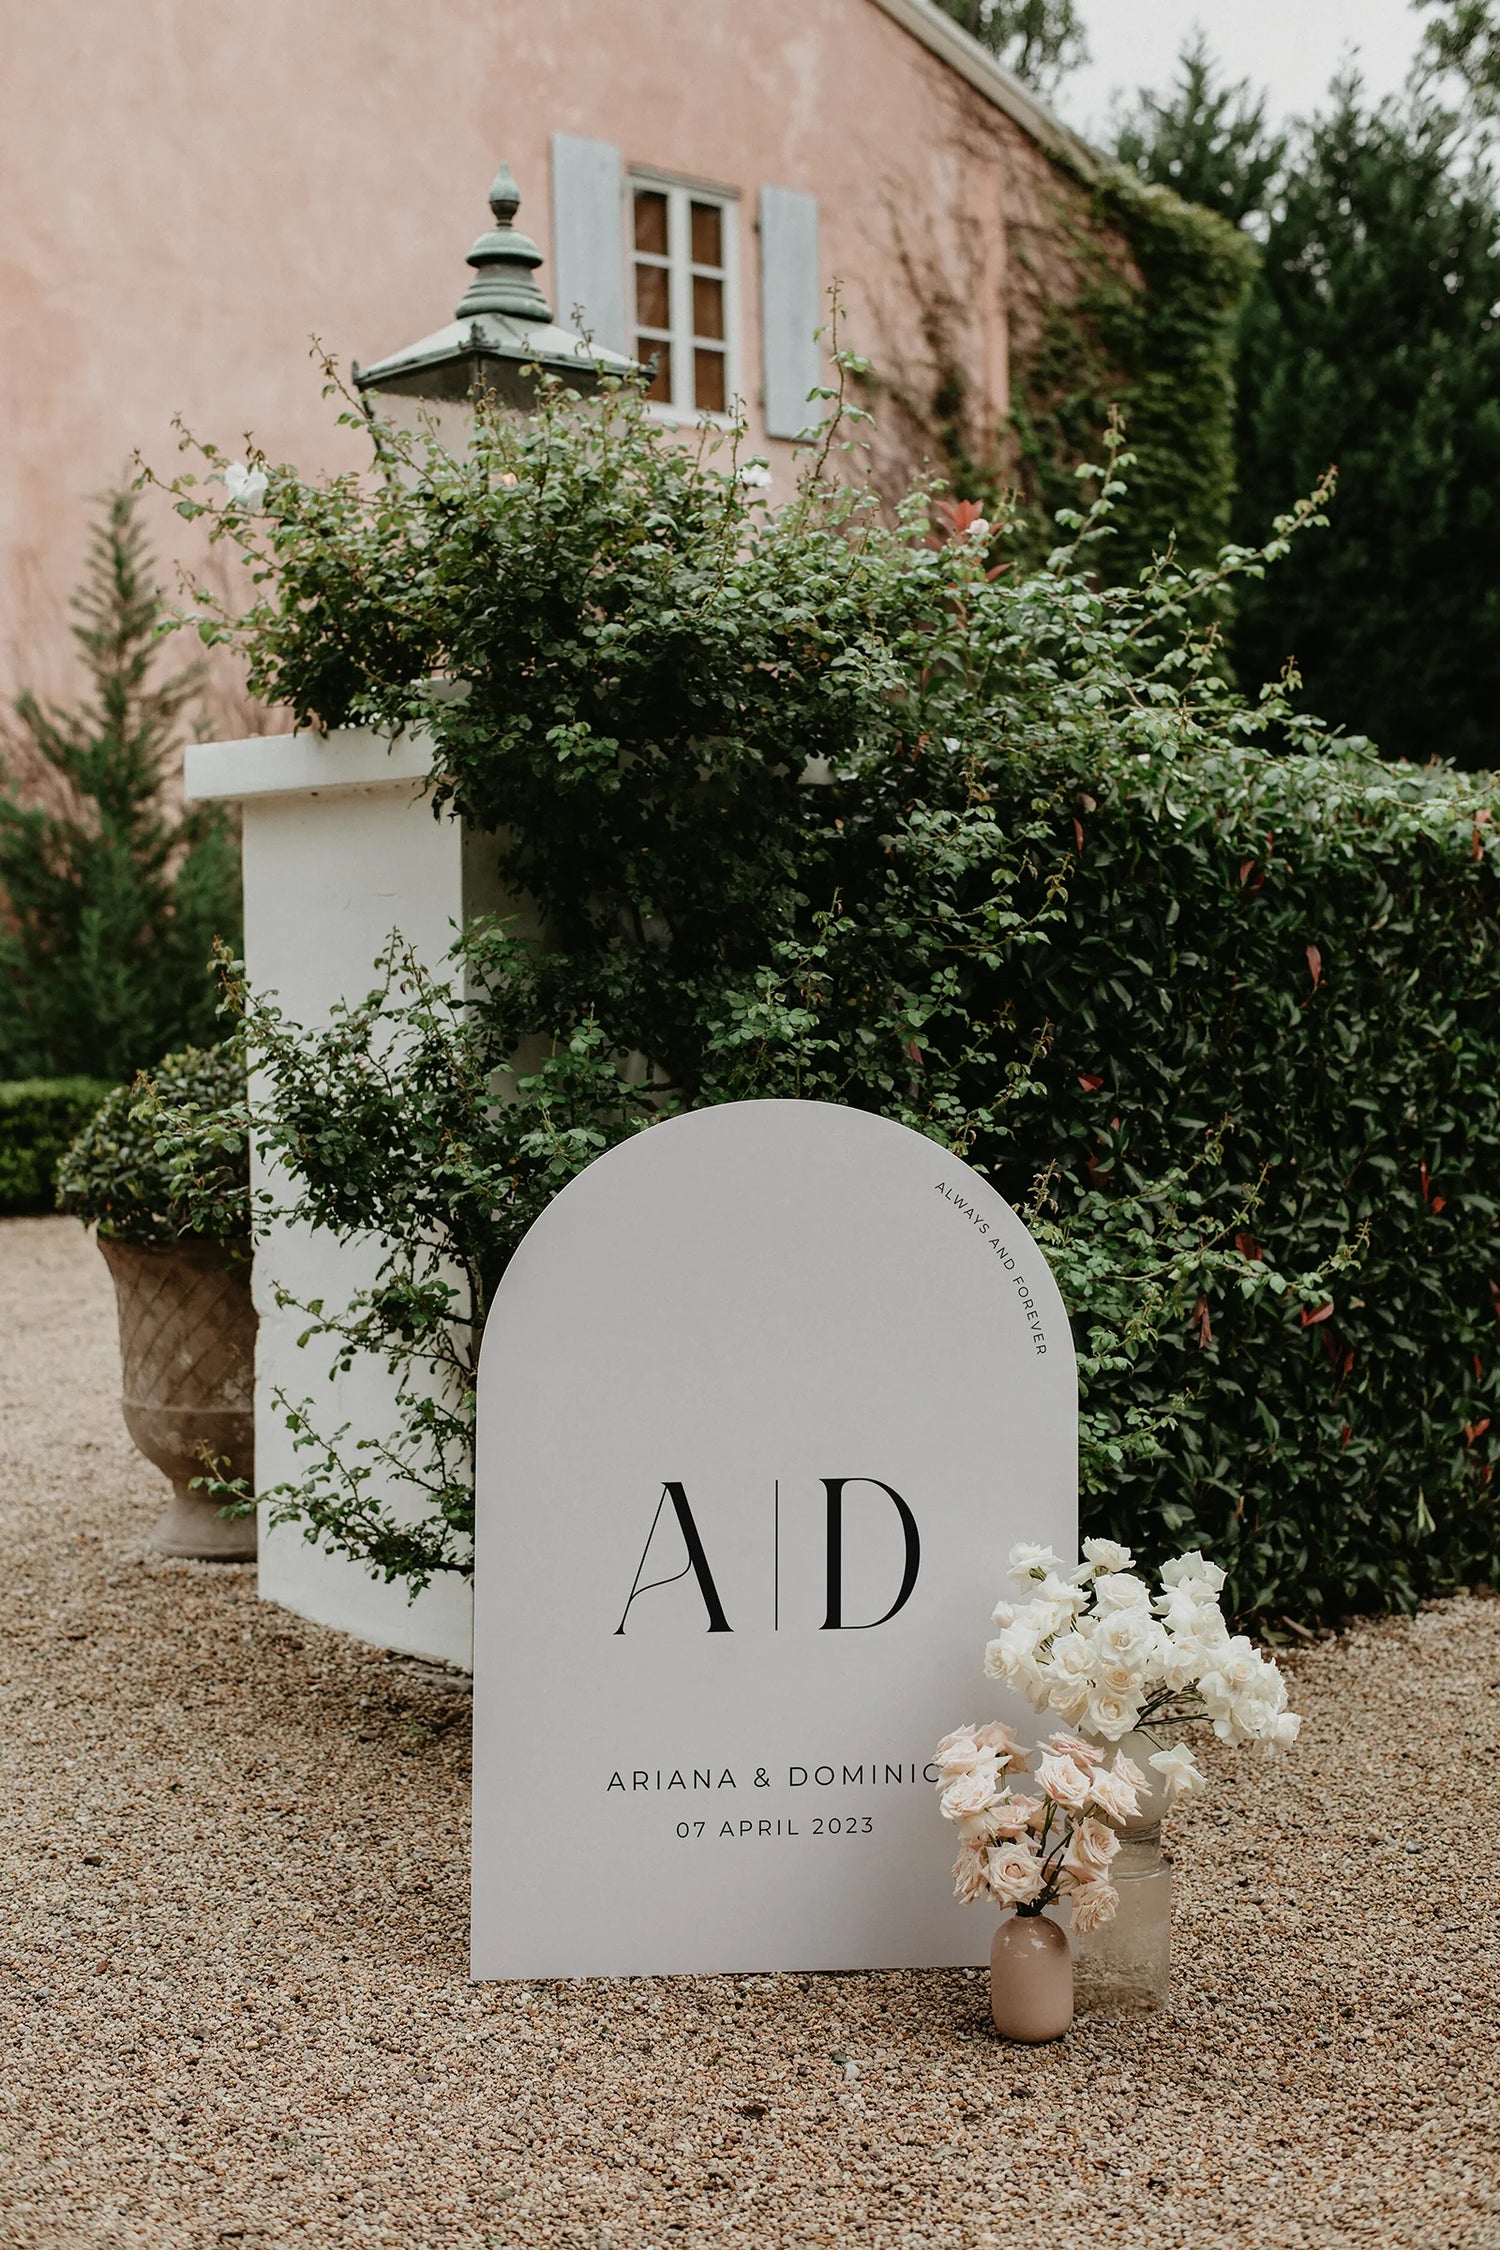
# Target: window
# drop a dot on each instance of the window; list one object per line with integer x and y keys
{"x": 683, "y": 269}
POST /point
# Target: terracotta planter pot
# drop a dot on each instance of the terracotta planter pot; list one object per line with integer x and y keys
{"x": 1031, "y": 1979}
{"x": 187, "y": 1346}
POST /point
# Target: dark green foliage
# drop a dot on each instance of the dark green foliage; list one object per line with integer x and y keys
{"x": 1040, "y": 40}
{"x": 109, "y": 908}
{"x": 389, "y": 1122}
{"x": 167, "y": 1157}
{"x": 1209, "y": 143}
{"x": 1060, "y": 899}
{"x": 1464, "y": 38}
{"x": 1371, "y": 341}
{"x": 38, "y": 1118}
{"x": 1152, "y": 333}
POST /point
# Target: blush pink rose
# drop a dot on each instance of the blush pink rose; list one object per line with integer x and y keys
{"x": 1064, "y": 1782}
{"x": 1014, "y": 1874}
{"x": 1012, "y": 1816}
{"x": 1093, "y": 1905}
{"x": 1091, "y": 1847}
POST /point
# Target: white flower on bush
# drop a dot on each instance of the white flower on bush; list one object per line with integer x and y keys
{"x": 246, "y": 487}
{"x": 755, "y": 475}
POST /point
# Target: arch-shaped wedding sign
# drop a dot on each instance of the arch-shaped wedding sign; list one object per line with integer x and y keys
{"x": 765, "y": 1398}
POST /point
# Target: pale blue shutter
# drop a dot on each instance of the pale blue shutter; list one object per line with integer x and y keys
{"x": 588, "y": 246}
{"x": 791, "y": 309}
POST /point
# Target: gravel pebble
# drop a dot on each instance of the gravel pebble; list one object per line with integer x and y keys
{"x": 233, "y": 1992}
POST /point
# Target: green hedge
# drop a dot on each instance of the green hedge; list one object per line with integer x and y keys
{"x": 1307, "y": 949}
{"x": 39, "y": 1117}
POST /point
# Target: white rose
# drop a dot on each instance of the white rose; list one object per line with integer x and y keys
{"x": 1093, "y": 1905}
{"x": 1185, "y": 1661}
{"x": 1112, "y": 1715}
{"x": 1070, "y": 1666}
{"x": 1107, "y": 1554}
{"x": 1012, "y": 1658}
{"x": 1069, "y": 1699}
{"x": 246, "y": 487}
{"x": 1178, "y": 1771}
{"x": 1064, "y": 1781}
{"x": 1003, "y": 1614}
{"x": 755, "y": 474}
{"x": 1115, "y": 1794}
{"x": 979, "y": 528}
{"x": 1288, "y": 1727}
{"x": 1121, "y": 1589}
{"x": 1193, "y": 1566}
{"x": 1027, "y": 1560}
{"x": 1014, "y": 1873}
{"x": 1125, "y": 1637}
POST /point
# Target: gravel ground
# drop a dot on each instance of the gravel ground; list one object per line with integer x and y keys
{"x": 232, "y": 1969}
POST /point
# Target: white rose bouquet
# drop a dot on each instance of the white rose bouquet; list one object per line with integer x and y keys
{"x": 1026, "y": 1847}
{"x": 1094, "y": 1645}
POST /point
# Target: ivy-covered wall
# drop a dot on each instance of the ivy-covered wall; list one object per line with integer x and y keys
{"x": 1116, "y": 294}
{"x": 1150, "y": 328}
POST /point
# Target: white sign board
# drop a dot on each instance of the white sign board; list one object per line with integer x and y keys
{"x": 766, "y": 1396}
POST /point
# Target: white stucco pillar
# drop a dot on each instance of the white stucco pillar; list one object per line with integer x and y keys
{"x": 340, "y": 849}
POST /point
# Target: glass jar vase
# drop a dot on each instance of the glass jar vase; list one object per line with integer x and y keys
{"x": 1125, "y": 1966}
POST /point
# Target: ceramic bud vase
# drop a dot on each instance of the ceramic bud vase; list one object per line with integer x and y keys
{"x": 1031, "y": 1979}
{"x": 1125, "y": 1966}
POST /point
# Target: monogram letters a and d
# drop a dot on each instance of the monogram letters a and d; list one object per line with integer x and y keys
{"x": 834, "y": 1621}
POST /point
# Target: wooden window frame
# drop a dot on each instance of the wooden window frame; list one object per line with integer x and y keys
{"x": 680, "y": 341}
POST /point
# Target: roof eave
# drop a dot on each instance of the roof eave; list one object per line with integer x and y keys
{"x": 962, "y": 52}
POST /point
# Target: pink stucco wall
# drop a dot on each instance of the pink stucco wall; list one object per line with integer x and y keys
{"x": 194, "y": 188}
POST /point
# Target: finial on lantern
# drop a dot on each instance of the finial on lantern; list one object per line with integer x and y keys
{"x": 505, "y": 197}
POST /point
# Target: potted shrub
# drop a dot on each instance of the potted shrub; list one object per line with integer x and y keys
{"x": 163, "y": 1172}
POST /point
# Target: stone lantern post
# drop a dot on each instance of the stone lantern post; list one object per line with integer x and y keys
{"x": 498, "y": 341}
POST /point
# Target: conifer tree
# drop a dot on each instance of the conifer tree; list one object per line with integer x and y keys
{"x": 109, "y": 907}
{"x": 1207, "y": 140}
{"x": 1371, "y": 340}
{"x": 1039, "y": 40}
